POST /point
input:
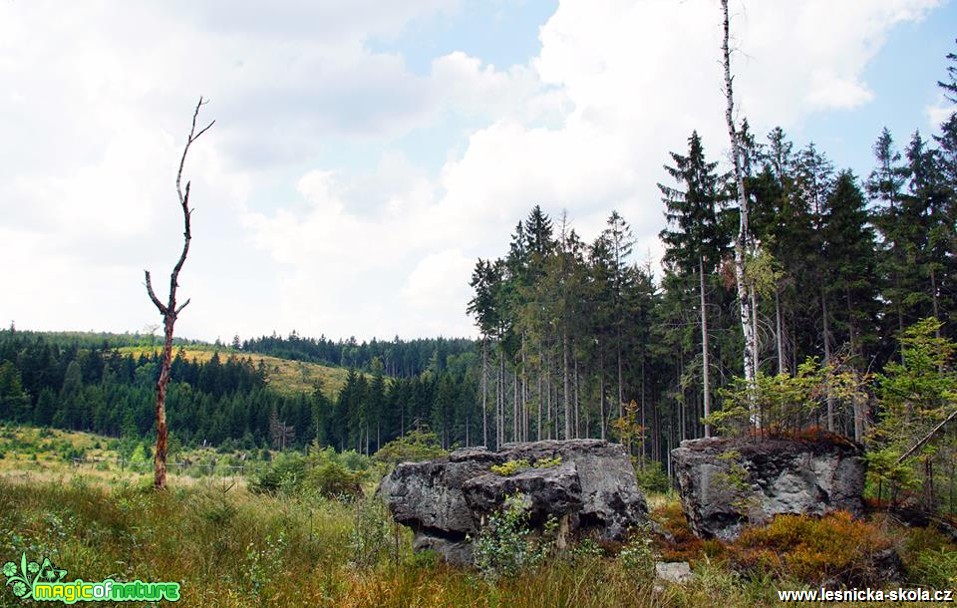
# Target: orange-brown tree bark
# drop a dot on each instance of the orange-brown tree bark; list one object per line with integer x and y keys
{"x": 170, "y": 311}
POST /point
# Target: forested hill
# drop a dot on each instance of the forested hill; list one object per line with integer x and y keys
{"x": 399, "y": 358}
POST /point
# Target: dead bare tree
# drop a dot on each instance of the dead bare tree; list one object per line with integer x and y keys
{"x": 745, "y": 308}
{"x": 170, "y": 311}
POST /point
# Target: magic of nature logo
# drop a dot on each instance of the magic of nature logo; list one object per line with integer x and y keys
{"x": 42, "y": 581}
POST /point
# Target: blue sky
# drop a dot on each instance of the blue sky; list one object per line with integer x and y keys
{"x": 903, "y": 77}
{"x": 366, "y": 153}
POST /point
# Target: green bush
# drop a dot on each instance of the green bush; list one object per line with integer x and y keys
{"x": 370, "y": 536}
{"x": 931, "y": 558}
{"x": 639, "y": 554}
{"x": 652, "y": 477}
{"x": 505, "y": 546}
{"x": 285, "y": 473}
{"x": 415, "y": 446}
{"x": 331, "y": 479}
{"x": 323, "y": 472}
{"x": 353, "y": 460}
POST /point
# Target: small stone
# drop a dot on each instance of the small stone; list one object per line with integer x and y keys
{"x": 673, "y": 572}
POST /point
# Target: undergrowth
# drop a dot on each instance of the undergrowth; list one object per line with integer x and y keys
{"x": 228, "y": 547}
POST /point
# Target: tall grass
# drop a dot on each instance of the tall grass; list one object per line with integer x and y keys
{"x": 228, "y": 547}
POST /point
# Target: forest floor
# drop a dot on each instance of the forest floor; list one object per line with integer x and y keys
{"x": 228, "y": 546}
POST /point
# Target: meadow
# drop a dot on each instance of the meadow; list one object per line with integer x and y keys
{"x": 229, "y": 543}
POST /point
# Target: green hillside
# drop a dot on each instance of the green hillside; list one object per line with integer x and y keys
{"x": 283, "y": 375}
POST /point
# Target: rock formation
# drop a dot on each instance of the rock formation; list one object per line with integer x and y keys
{"x": 587, "y": 483}
{"x": 726, "y": 484}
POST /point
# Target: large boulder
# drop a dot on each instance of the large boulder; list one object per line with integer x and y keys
{"x": 589, "y": 484}
{"x": 726, "y": 484}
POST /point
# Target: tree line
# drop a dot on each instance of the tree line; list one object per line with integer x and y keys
{"x": 399, "y": 358}
{"x": 78, "y": 382}
{"x": 70, "y": 384}
{"x": 576, "y": 335}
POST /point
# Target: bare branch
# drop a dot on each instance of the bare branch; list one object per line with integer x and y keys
{"x": 187, "y": 237}
{"x": 926, "y": 438}
{"x": 193, "y": 136}
{"x": 149, "y": 290}
{"x": 182, "y": 306}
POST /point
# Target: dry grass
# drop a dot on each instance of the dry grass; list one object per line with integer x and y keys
{"x": 228, "y": 547}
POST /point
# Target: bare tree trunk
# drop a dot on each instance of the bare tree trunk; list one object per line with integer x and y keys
{"x": 644, "y": 431}
{"x": 827, "y": 360}
{"x": 755, "y": 348}
{"x": 740, "y": 244}
{"x": 858, "y": 419}
{"x": 170, "y": 312}
{"x": 577, "y": 404}
{"x": 917, "y": 446}
{"x": 500, "y": 435}
{"x": 621, "y": 387}
{"x": 601, "y": 390}
{"x": 524, "y": 433}
{"x": 484, "y": 391}
{"x": 705, "y": 362}
{"x": 540, "y": 400}
{"x": 779, "y": 329}
{"x": 548, "y": 410}
{"x": 566, "y": 387}
{"x": 516, "y": 420}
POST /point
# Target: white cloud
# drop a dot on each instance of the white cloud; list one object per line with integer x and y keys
{"x": 829, "y": 91}
{"x": 435, "y": 287}
{"x": 939, "y": 112}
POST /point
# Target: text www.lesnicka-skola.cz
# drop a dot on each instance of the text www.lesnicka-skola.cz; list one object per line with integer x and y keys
{"x": 867, "y": 595}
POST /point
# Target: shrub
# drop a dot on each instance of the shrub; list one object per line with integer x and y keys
{"x": 652, "y": 477}
{"x": 639, "y": 554}
{"x": 331, "y": 479}
{"x": 415, "y": 446}
{"x": 548, "y": 463}
{"x": 370, "y": 535}
{"x": 285, "y": 472}
{"x": 812, "y": 549}
{"x": 680, "y": 543}
{"x": 505, "y": 546}
{"x": 930, "y": 557}
{"x": 354, "y": 461}
{"x": 510, "y": 467}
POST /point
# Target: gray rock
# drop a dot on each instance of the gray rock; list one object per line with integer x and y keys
{"x": 552, "y": 492}
{"x": 446, "y": 501}
{"x": 726, "y": 484}
{"x": 673, "y": 572}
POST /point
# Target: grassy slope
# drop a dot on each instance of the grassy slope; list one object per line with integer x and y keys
{"x": 30, "y": 454}
{"x": 285, "y": 376}
{"x": 230, "y": 548}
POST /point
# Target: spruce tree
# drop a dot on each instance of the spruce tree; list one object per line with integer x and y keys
{"x": 692, "y": 240}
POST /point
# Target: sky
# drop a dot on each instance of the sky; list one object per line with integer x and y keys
{"x": 366, "y": 153}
